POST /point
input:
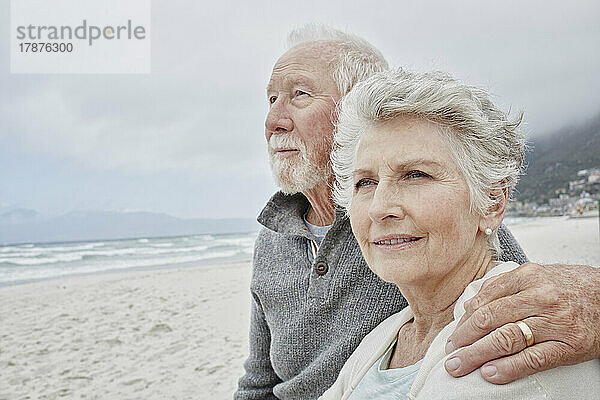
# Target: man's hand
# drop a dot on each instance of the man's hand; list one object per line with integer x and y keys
{"x": 561, "y": 305}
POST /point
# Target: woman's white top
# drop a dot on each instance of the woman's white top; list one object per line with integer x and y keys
{"x": 380, "y": 382}
{"x": 580, "y": 381}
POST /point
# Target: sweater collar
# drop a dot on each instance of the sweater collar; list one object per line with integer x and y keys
{"x": 284, "y": 214}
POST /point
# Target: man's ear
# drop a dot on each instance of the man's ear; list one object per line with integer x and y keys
{"x": 495, "y": 214}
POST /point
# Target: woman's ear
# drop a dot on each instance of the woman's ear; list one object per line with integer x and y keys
{"x": 495, "y": 214}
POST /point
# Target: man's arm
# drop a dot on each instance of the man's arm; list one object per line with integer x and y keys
{"x": 561, "y": 305}
{"x": 259, "y": 378}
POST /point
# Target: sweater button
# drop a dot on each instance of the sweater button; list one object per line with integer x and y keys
{"x": 321, "y": 268}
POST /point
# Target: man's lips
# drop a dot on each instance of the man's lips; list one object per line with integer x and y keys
{"x": 285, "y": 151}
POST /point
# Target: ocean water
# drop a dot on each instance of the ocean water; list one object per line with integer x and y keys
{"x": 31, "y": 262}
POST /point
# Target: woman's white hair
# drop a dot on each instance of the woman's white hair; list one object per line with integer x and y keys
{"x": 487, "y": 146}
{"x": 356, "y": 58}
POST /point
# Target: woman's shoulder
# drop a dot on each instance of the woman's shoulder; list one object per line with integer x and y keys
{"x": 439, "y": 384}
{"x": 580, "y": 381}
{"x": 473, "y": 288}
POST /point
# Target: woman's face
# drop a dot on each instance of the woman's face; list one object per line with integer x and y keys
{"x": 410, "y": 207}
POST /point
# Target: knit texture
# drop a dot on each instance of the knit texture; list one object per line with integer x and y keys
{"x": 304, "y": 324}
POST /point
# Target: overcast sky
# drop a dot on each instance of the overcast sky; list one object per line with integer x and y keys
{"x": 188, "y": 139}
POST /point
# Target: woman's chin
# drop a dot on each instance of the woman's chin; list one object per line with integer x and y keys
{"x": 407, "y": 275}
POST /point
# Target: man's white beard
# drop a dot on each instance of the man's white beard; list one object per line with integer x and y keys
{"x": 295, "y": 174}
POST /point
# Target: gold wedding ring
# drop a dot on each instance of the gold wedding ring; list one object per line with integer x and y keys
{"x": 526, "y": 332}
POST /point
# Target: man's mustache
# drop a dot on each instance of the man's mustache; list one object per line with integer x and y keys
{"x": 285, "y": 141}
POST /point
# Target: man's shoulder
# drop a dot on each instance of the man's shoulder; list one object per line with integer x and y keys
{"x": 511, "y": 250}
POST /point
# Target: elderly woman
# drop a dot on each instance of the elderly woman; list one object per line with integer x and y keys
{"x": 425, "y": 166}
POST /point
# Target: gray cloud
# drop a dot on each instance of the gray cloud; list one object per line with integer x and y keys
{"x": 200, "y": 113}
{"x": 204, "y": 102}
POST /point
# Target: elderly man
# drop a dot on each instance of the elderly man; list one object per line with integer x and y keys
{"x": 314, "y": 298}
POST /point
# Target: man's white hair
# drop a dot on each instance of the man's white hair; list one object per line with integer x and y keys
{"x": 356, "y": 58}
{"x": 487, "y": 146}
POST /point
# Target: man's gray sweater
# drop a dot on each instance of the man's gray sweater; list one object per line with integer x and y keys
{"x": 308, "y": 315}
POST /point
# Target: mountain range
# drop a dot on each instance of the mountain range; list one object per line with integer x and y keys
{"x": 555, "y": 159}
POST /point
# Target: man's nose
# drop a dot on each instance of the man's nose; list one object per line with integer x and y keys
{"x": 278, "y": 119}
{"x": 386, "y": 203}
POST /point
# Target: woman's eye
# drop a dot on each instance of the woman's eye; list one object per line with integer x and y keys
{"x": 272, "y": 99}
{"x": 416, "y": 174}
{"x": 363, "y": 183}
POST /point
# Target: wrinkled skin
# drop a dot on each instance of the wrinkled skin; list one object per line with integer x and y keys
{"x": 561, "y": 305}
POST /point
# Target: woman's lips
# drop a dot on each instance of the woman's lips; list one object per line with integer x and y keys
{"x": 396, "y": 242}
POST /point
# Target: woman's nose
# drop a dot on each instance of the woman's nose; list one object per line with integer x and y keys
{"x": 385, "y": 203}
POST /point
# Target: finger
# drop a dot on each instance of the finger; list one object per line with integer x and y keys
{"x": 503, "y": 285}
{"x": 540, "y": 357}
{"x": 492, "y": 316}
{"x": 504, "y": 341}
{"x": 491, "y": 290}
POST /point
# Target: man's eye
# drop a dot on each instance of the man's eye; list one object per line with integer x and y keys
{"x": 300, "y": 93}
{"x": 363, "y": 183}
{"x": 272, "y": 99}
{"x": 417, "y": 174}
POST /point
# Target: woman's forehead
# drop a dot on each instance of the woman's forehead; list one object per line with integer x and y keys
{"x": 403, "y": 141}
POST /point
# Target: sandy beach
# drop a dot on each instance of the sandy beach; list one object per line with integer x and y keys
{"x": 560, "y": 239}
{"x": 167, "y": 334}
{"x": 171, "y": 333}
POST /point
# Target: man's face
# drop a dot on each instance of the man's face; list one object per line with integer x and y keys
{"x": 302, "y": 96}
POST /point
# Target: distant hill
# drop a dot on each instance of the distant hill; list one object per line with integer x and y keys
{"x": 18, "y": 215}
{"x": 556, "y": 158}
{"x": 91, "y": 225}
